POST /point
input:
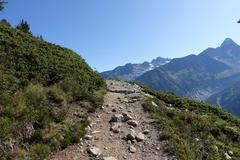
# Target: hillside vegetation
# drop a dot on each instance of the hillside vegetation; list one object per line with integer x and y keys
{"x": 194, "y": 130}
{"x": 39, "y": 83}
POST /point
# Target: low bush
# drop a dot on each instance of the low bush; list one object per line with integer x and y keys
{"x": 39, "y": 151}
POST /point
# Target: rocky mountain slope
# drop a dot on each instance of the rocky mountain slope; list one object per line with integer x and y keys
{"x": 131, "y": 71}
{"x": 228, "y": 53}
{"x": 200, "y": 77}
{"x": 192, "y": 76}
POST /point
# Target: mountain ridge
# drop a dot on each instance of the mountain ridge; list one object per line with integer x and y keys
{"x": 130, "y": 71}
{"x": 197, "y": 76}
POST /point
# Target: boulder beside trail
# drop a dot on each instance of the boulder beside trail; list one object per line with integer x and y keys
{"x": 140, "y": 137}
{"x": 117, "y": 118}
{"x": 132, "y": 123}
{"x": 94, "y": 151}
{"x": 132, "y": 149}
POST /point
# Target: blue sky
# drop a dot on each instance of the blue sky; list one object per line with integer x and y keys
{"x": 108, "y": 33}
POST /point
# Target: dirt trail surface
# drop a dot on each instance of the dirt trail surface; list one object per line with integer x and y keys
{"x": 120, "y": 130}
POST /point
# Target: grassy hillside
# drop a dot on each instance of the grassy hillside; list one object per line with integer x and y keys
{"x": 194, "y": 130}
{"x": 39, "y": 82}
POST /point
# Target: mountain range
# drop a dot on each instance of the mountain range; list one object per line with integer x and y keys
{"x": 208, "y": 76}
{"x": 131, "y": 71}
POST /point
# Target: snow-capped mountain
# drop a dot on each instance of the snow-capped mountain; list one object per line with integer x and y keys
{"x": 130, "y": 71}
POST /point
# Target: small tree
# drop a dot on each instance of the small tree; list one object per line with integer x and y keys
{"x": 40, "y": 37}
{"x": 238, "y": 21}
{"x": 4, "y": 21}
{"x": 2, "y": 3}
{"x": 24, "y": 26}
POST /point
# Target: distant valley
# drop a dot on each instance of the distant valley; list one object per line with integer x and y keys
{"x": 207, "y": 76}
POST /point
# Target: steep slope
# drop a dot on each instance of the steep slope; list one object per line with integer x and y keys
{"x": 131, "y": 71}
{"x": 198, "y": 77}
{"x": 39, "y": 85}
{"x": 228, "y": 99}
{"x": 228, "y": 52}
{"x": 192, "y": 76}
{"x": 138, "y": 123}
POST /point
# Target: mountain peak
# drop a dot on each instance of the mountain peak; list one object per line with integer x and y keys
{"x": 160, "y": 61}
{"x": 228, "y": 42}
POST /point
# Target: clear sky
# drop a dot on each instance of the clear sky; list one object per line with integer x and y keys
{"x": 108, "y": 33}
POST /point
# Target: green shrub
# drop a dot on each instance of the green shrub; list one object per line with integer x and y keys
{"x": 6, "y": 128}
{"x": 74, "y": 90}
{"x": 19, "y": 153}
{"x": 35, "y": 95}
{"x": 75, "y": 131}
{"x": 39, "y": 151}
{"x": 97, "y": 98}
{"x": 5, "y": 98}
{"x": 57, "y": 96}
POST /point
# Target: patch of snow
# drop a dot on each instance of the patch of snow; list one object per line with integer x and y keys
{"x": 167, "y": 62}
{"x": 151, "y": 67}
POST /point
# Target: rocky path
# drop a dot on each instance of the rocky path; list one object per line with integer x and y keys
{"x": 120, "y": 130}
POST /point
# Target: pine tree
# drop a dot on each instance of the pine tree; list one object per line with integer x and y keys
{"x": 2, "y": 3}
{"x": 40, "y": 38}
{"x": 24, "y": 26}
